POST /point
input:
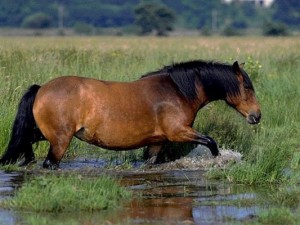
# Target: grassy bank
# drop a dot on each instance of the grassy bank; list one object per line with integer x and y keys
{"x": 67, "y": 193}
{"x": 271, "y": 149}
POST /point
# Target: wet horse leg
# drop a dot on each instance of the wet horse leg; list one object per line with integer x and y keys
{"x": 152, "y": 153}
{"x": 210, "y": 143}
{"x": 187, "y": 134}
{"x": 56, "y": 152}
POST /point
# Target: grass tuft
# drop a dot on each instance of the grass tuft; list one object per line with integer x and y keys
{"x": 277, "y": 216}
{"x": 68, "y": 193}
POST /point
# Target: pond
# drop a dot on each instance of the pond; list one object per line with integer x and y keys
{"x": 167, "y": 196}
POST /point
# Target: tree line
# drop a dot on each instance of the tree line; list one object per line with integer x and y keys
{"x": 144, "y": 17}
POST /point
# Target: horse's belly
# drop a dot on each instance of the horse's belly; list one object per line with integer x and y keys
{"x": 119, "y": 116}
{"x": 125, "y": 136}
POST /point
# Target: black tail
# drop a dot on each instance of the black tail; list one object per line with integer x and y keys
{"x": 22, "y": 135}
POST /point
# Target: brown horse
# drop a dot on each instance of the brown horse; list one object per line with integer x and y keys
{"x": 158, "y": 108}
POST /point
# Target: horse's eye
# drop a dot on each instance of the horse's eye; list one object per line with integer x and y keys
{"x": 247, "y": 88}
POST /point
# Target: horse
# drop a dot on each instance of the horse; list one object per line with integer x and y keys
{"x": 157, "y": 108}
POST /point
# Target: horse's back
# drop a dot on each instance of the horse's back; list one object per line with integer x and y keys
{"x": 60, "y": 94}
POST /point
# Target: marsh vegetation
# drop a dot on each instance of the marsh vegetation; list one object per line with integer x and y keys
{"x": 271, "y": 150}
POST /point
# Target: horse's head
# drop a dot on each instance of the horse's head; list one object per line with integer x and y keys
{"x": 245, "y": 102}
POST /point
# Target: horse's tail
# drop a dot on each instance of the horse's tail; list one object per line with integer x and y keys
{"x": 22, "y": 135}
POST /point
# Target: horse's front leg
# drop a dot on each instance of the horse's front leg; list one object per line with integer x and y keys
{"x": 208, "y": 142}
{"x": 188, "y": 134}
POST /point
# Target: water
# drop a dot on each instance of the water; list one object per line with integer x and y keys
{"x": 8, "y": 183}
{"x": 176, "y": 197}
{"x": 167, "y": 197}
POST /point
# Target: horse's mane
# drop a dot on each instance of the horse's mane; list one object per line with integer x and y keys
{"x": 218, "y": 79}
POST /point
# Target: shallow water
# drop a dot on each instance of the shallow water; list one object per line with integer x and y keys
{"x": 167, "y": 197}
{"x": 175, "y": 197}
{"x": 8, "y": 183}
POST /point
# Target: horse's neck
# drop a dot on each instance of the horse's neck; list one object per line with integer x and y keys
{"x": 202, "y": 98}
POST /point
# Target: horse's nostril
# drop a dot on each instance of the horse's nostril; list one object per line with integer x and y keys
{"x": 254, "y": 118}
{"x": 258, "y": 116}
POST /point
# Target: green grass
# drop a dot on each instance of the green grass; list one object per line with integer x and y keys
{"x": 280, "y": 215}
{"x": 68, "y": 193}
{"x": 270, "y": 148}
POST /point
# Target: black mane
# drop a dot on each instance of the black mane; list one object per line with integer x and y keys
{"x": 218, "y": 80}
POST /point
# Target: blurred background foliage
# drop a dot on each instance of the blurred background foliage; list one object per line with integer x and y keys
{"x": 228, "y": 18}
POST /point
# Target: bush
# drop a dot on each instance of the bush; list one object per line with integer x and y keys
{"x": 38, "y": 20}
{"x": 230, "y": 31}
{"x": 275, "y": 29}
{"x": 83, "y": 28}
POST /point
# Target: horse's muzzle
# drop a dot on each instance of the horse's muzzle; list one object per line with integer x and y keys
{"x": 254, "y": 117}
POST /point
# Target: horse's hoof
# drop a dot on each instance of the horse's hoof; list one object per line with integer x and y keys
{"x": 151, "y": 161}
{"x": 49, "y": 165}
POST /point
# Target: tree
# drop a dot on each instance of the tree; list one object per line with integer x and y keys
{"x": 37, "y": 21}
{"x": 287, "y": 11}
{"x": 154, "y": 17}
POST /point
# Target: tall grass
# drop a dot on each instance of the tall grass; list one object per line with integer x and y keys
{"x": 273, "y": 65}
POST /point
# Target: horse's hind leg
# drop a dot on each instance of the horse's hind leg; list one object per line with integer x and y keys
{"x": 56, "y": 152}
{"x": 151, "y": 153}
{"x": 29, "y": 157}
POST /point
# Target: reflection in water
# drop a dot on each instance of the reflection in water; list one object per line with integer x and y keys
{"x": 217, "y": 214}
{"x": 167, "y": 197}
{"x": 7, "y": 217}
{"x": 175, "y": 197}
{"x": 165, "y": 209}
{"x": 8, "y": 183}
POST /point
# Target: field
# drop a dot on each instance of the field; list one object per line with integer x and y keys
{"x": 270, "y": 149}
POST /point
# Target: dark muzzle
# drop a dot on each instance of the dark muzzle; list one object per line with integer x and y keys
{"x": 254, "y": 117}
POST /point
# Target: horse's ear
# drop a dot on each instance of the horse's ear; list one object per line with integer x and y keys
{"x": 237, "y": 70}
{"x": 236, "y": 67}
